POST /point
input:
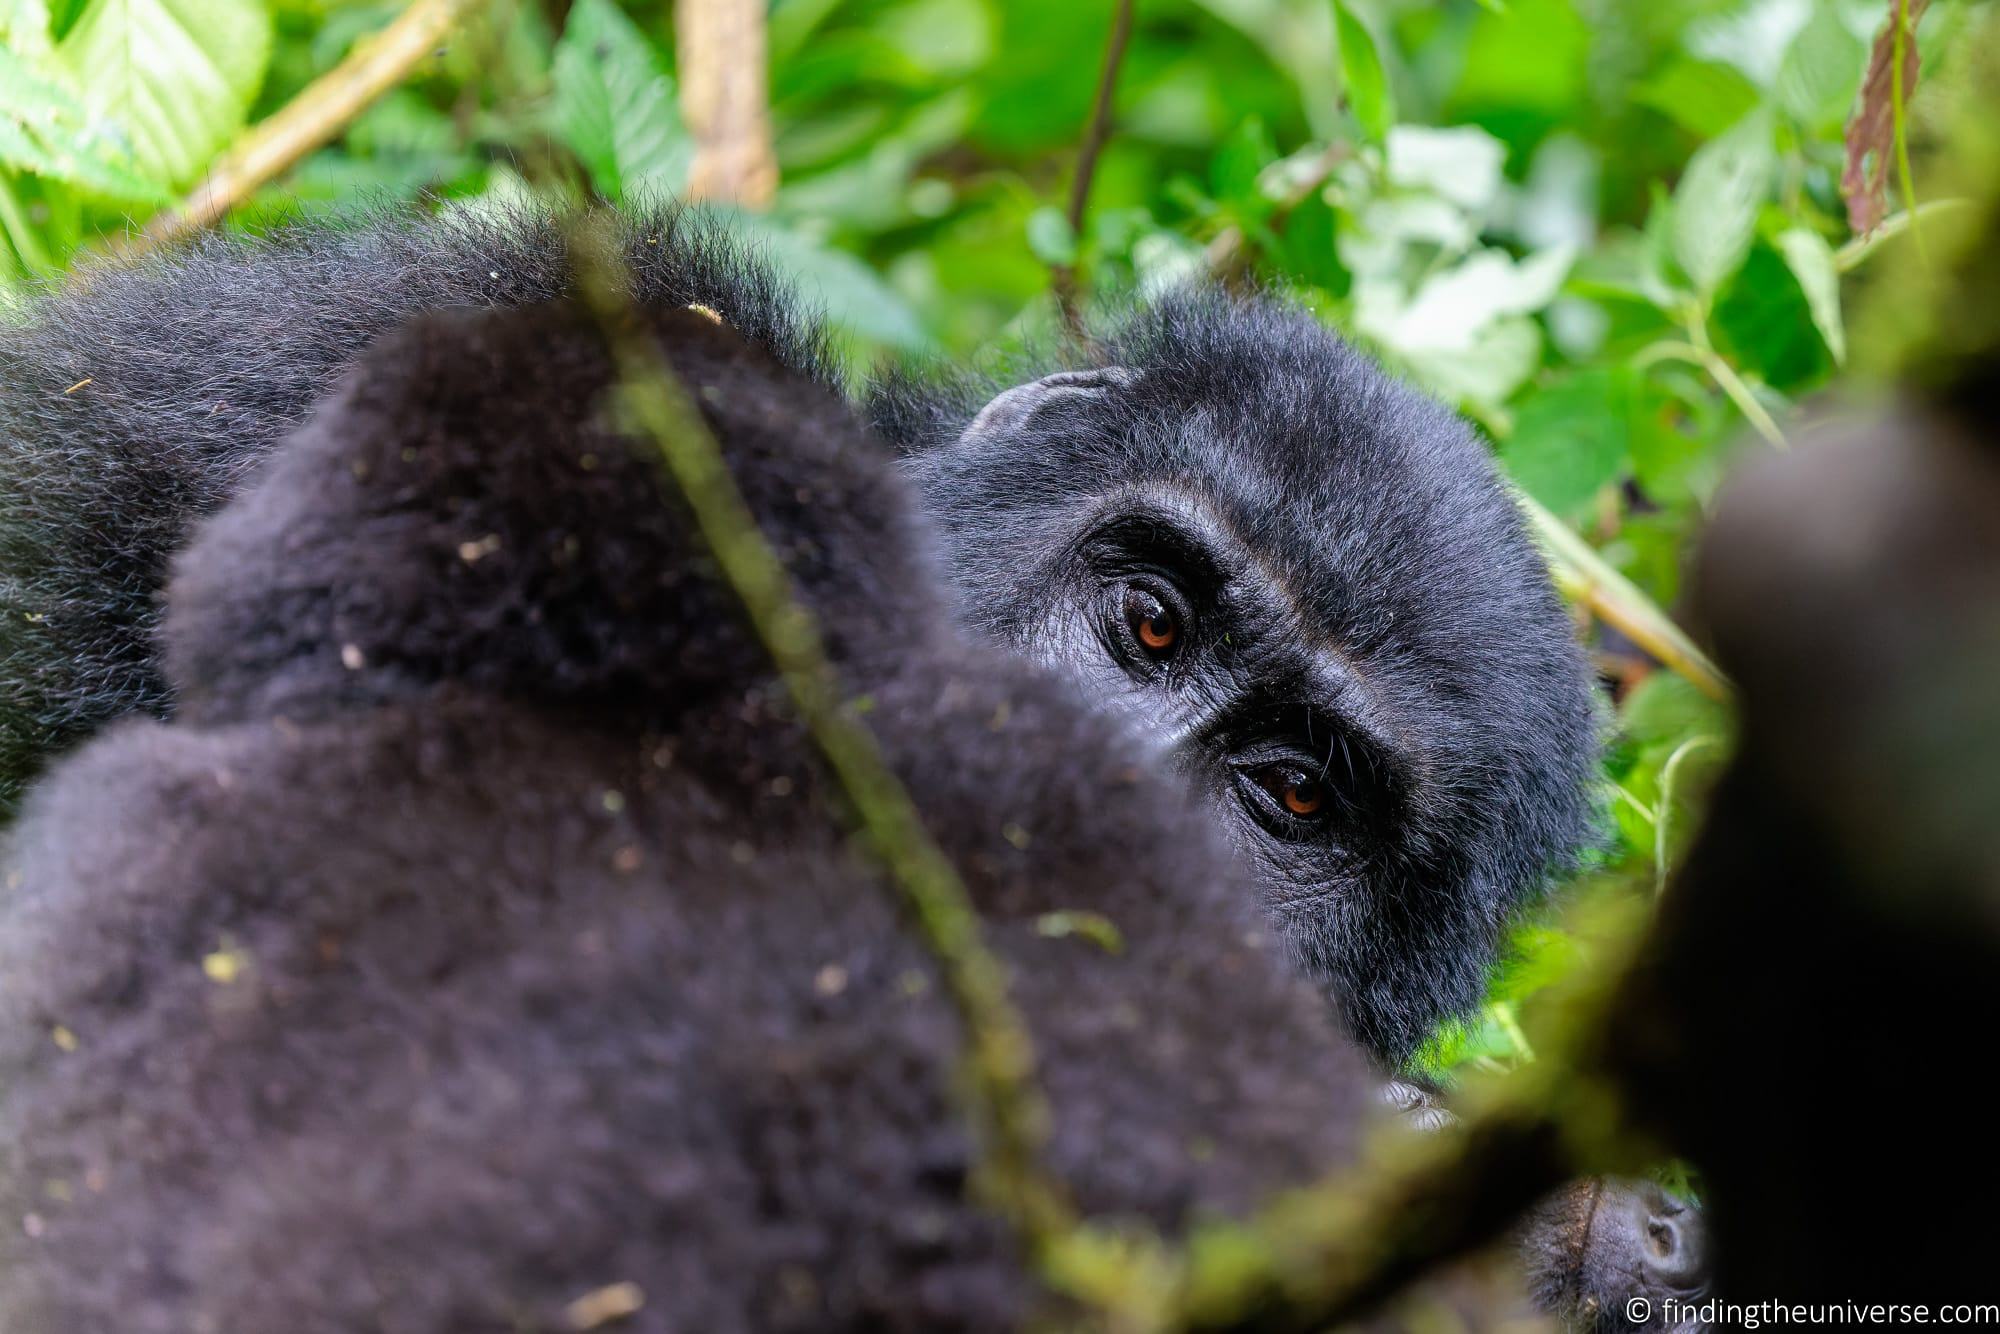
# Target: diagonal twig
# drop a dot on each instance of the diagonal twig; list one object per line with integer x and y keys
{"x": 1006, "y": 1099}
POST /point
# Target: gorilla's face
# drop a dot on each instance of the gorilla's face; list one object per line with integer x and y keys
{"x": 1306, "y": 585}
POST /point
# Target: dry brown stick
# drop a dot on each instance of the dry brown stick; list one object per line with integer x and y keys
{"x": 320, "y": 112}
{"x": 1094, "y": 137}
{"x": 721, "y": 55}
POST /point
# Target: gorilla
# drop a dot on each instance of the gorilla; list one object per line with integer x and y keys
{"x": 1305, "y": 580}
{"x": 480, "y": 948}
{"x": 1301, "y": 581}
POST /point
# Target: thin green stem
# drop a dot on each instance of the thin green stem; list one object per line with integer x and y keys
{"x": 1005, "y": 1098}
{"x": 1697, "y": 352}
{"x": 1897, "y": 97}
{"x": 1669, "y": 773}
{"x": 1851, "y": 255}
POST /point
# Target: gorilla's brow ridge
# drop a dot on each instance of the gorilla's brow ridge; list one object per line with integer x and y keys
{"x": 1357, "y": 702}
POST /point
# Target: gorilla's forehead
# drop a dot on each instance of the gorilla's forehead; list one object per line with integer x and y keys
{"x": 1378, "y": 509}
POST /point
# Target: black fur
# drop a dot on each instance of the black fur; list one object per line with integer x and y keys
{"x": 1387, "y": 620}
{"x": 142, "y": 397}
{"x": 1394, "y": 629}
{"x": 481, "y": 934}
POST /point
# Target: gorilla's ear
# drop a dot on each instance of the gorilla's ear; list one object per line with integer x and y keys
{"x": 1011, "y": 409}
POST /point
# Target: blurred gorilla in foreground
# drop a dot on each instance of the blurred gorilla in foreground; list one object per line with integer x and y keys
{"x": 479, "y": 946}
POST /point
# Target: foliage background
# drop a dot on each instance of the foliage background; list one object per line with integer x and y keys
{"x": 1611, "y": 233}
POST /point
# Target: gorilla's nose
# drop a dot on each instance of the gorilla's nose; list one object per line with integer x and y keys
{"x": 1673, "y": 1242}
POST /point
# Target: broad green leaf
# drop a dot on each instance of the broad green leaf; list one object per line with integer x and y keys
{"x": 1451, "y": 308}
{"x": 1361, "y": 70}
{"x": 1821, "y": 71}
{"x": 1298, "y": 37}
{"x": 1050, "y": 236}
{"x": 1526, "y": 54}
{"x": 44, "y": 129}
{"x": 1234, "y": 172}
{"x": 1716, "y": 202}
{"x": 1812, "y": 263}
{"x": 1497, "y": 362}
{"x": 1572, "y": 438}
{"x": 1701, "y": 96}
{"x": 1667, "y": 710}
{"x": 175, "y": 76}
{"x": 1655, "y": 283}
{"x": 614, "y": 105}
{"x": 1461, "y": 164}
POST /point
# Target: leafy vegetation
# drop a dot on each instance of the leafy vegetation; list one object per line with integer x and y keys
{"x": 1613, "y": 234}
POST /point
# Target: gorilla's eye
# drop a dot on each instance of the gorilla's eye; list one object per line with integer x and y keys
{"x": 1303, "y": 796}
{"x": 1152, "y": 622}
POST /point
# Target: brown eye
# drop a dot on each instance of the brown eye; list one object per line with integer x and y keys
{"x": 1303, "y": 797}
{"x": 1298, "y": 792}
{"x": 1152, "y": 623}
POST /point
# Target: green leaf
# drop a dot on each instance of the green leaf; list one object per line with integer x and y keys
{"x": 1821, "y": 71}
{"x": 854, "y": 295}
{"x": 1298, "y": 37}
{"x": 1812, "y": 262}
{"x": 1233, "y": 173}
{"x": 1572, "y": 438}
{"x": 1050, "y": 236}
{"x": 44, "y": 129}
{"x": 1667, "y": 709}
{"x": 614, "y": 105}
{"x": 1461, "y": 163}
{"x": 176, "y": 76}
{"x": 1702, "y": 96}
{"x": 24, "y": 30}
{"x": 1361, "y": 70}
{"x": 1716, "y": 202}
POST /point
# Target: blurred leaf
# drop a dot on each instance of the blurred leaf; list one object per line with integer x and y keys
{"x": 1234, "y": 173}
{"x": 854, "y": 295}
{"x": 1050, "y": 237}
{"x": 1486, "y": 371}
{"x": 1701, "y": 96}
{"x": 1666, "y": 709}
{"x": 1529, "y": 55}
{"x": 1716, "y": 202}
{"x": 1871, "y": 136}
{"x": 1367, "y": 86}
{"x": 1569, "y": 440}
{"x": 44, "y": 129}
{"x": 24, "y": 31}
{"x": 1487, "y": 285}
{"x": 1763, "y": 324}
{"x": 615, "y": 105}
{"x": 1298, "y": 36}
{"x": 1752, "y": 35}
{"x": 941, "y": 37}
{"x": 1811, "y": 261}
{"x": 1821, "y": 70}
{"x": 176, "y": 76}
{"x": 1460, "y": 164}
